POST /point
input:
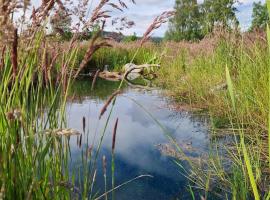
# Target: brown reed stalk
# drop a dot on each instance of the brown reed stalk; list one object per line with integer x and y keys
{"x": 2, "y": 58}
{"x": 114, "y": 135}
{"x": 53, "y": 61}
{"x": 95, "y": 79}
{"x": 158, "y": 21}
{"x": 14, "y": 53}
{"x": 108, "y": 102}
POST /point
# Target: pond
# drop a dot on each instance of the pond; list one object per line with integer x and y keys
{"x": 138, "y": 139}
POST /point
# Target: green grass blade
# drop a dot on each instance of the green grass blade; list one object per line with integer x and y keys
{"x": 268, "y": 39}
{"x": 249, "y": 169}
{"x": 230, "y": 87}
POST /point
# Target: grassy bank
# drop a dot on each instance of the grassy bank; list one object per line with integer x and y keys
{"x": 239, "y": 111}
{"x": 195, "y": 74}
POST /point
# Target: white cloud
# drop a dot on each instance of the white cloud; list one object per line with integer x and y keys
{"x": 145, "y": 11}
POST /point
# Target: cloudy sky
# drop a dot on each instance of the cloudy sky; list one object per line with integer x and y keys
{"x": 145, "y": 11}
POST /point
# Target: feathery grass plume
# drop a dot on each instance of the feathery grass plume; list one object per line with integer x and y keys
{"x": 108, "y": 102}
{"x": 43, "y": 11}
{"x": 93, "y": 47}
{"x": 114, "y": 134}
{"x": 100, "y": 14}
{"x": 94, "y": 80}
{"x": 158, "y": 21}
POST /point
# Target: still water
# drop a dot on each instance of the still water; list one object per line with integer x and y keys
{"x": 138, "y": 139}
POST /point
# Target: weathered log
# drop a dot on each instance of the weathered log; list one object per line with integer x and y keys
{"x": 112, "y": 76}
{"x": 133, "y": 71}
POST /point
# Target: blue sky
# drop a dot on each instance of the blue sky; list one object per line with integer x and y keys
{"x": 145, "y": 11}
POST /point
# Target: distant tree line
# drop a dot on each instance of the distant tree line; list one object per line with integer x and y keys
{"x": 193, "y": 21}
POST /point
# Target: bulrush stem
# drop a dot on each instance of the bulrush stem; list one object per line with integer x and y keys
{"x": 14, "y": 54}
{"x": 113, "y": 148}
{"x": 104, "y": 164}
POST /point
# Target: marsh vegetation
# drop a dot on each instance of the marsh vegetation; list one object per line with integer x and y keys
{"x": 194, "y": 124}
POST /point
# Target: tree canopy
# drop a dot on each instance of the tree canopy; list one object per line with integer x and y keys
{"x": 219, "y": 13}
{"x": 260, "y": 16}
{"x": 186, "y": 23}
{"x": 193, "y": 21}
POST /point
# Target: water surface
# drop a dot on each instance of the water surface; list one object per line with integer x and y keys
{"x": 137, "y": 140}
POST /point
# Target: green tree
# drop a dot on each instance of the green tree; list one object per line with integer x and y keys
{"x": 186, "y": 23}
{"x": 130, "y": 38}
{"x": 260, "y": 17}
{"x": 220, "y": 13}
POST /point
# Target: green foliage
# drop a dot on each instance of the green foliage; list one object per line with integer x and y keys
{"x": 130, "y": 38}
{"x": 218, "y": 13}
{"x": 193, "y": 21}
{"x": 186, "y": 23}
{"x": 115, "y": 58}
{"x": 243, "y": 107}
{"x": 260, "y": 17}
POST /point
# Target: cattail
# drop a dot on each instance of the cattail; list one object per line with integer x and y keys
{"x": 14, "y": 54}
{"x": 114, "y": 135}
{"x": 95, "y": 79}
{"x": 108, "y": 102}
{"x": 80, "y": 142}
{"x": 83, "y": 122}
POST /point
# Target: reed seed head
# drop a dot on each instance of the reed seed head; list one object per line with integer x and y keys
{"x": 114, "y": 135}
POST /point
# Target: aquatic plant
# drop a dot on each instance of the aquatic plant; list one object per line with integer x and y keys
{"x": 36, "y": 75}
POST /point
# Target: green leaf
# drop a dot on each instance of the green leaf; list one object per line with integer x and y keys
{"x": 230, "y": 87}
{"x": 249, "y": 169}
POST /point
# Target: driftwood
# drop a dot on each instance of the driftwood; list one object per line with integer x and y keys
{"x": 130, "y": 67}
{"x": 112, "y": 76}
{"x": 130, "y": 72}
